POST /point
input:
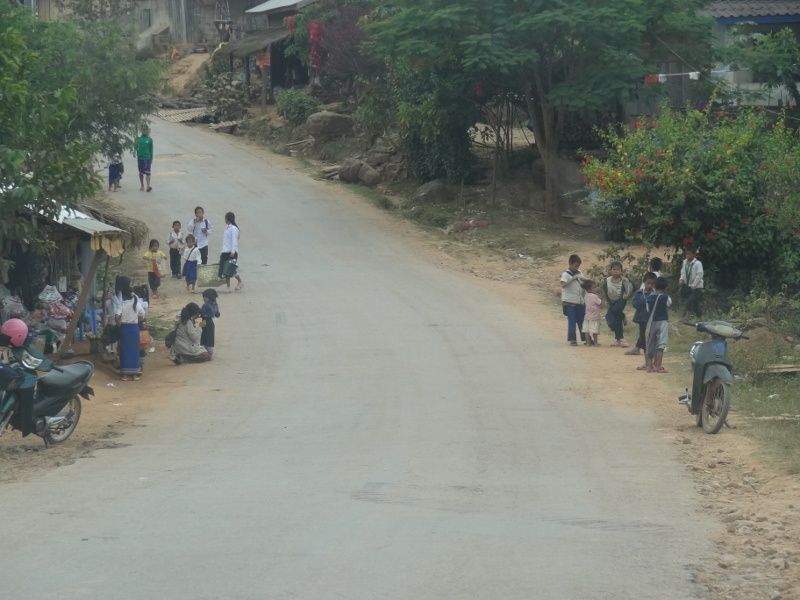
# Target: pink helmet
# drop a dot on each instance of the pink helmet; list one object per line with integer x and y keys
{"x": 16, "y": 330}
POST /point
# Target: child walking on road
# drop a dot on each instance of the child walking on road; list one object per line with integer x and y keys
{"x": 175, "y": 249}
{"x": 144, "y": 158}
{"x": 591, "y": 321}
{"x": 191, "y": 255}
{"x": 154, "y": 259}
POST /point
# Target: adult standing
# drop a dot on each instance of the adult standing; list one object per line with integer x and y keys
{"x": 230, "y": 251}
{"x": 691, "y": 282}
{"x": 200, "y": 227}
{"x": 144, "y": 156}
{"x": 129, "y": 315}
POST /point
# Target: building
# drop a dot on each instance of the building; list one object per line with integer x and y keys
{"x": 753, "y": 16}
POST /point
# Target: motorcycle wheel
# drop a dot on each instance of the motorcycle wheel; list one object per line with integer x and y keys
{"x": 72, "y": 411}
{"x": 716, "y": 402}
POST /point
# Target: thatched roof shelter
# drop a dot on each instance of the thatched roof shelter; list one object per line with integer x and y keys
{"x": 101, "y": 208}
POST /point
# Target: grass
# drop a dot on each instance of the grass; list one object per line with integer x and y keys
{"x": 755, "y": 395}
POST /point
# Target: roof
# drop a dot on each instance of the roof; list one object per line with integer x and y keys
{"x": 277, "y": 5}
{"x": 739, "y": 9}
{"x": 86, "y": 224}
{"x": 253, "y": 43}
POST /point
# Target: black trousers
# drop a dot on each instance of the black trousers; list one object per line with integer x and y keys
{"x": 694, "y": 302}
{"x": 641, "y": 343}
{"x": 175, "y": 261}
{"x": 204, "y": 255}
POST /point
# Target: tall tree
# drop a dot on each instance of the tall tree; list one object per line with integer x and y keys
{"x": 561, "y": 56}
{"x": 67, "y": 93}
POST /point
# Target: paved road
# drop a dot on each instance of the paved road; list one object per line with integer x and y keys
{"x": 374, "y": 428}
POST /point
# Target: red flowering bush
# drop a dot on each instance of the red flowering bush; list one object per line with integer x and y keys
{"x": 727, "y": 183}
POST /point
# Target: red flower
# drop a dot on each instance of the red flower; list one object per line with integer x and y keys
{"x": 746, "y": 220}
{"x": 637, "y": 124}
{"x": 639, "y": 171}
{"x": 732, "y": 170}
{"x": 660, "y": 154}
{"x": 290, "y": 24}
{"x": 709, "y": 235}
{"x": 719, "y": 114}
{"x": 688, "y": 241}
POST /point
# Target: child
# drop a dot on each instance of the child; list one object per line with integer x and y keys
{"x": 617, "y": 289}
{"x": 175, "y": 249}
{"x": 658, "y": 326}
{"x": 115, "y": 171}
{"x": 642, "y": 315}
{"x": 200, "y": 228}
{"x": 154, "y": 258}
{"x": 208, "y": 312}
{"x": 591, "y": 322}
{"x": 656, "y": 264}
{"x": 572, "y": 299}
{"x": 691, "y": 282}
{"x": 144, "y": 157}
{"x": 191, "y": 254}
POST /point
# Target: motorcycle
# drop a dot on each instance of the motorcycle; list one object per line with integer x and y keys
{"x": 48, "y": 406}
{"x": 712, "y": 376}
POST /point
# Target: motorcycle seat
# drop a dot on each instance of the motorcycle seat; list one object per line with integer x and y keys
{"x": 71, "y": 377}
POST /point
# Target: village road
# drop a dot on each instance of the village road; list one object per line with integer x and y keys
{"x": 373, "y": 427}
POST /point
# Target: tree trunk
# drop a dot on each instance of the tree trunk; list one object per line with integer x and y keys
{"x": 552, "y": 195}
{"x": 545, "y": 131}
{"x": 69, "y": 336}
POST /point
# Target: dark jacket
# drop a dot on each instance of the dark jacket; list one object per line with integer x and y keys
{"x": 639, "y": 302}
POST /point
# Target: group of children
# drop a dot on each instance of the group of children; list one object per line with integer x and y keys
{"x": 582, "y": 301}
{"x": 188, "y": 247}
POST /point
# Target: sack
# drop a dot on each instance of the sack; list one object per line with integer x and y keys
{"x": 230, "y": 268}
{"x": 110, "y": 335}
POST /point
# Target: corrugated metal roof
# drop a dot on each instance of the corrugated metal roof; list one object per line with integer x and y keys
{"x": 275, "y": 5}
{"x": 722, "y": 9}
{"x": 253, "y": 43}
{"x": 83, "y": 222}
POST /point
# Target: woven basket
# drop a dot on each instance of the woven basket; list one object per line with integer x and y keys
{"x": 208, "y": 276}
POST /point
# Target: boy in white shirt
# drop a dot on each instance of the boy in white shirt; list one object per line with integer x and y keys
{"x": 175, "y": 249}
{"x": 691, "y": 282}
{"x": 572, "y": 300}
{"x": 199, "y": 227}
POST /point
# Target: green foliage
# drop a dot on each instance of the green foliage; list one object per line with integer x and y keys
{"x": 634, "y": 266}
{"x": 773, "y": 58}
{"x": 729, "y": 183}
{"x": 563, "y": 57}
{"x": 296, "y": 106}
{"x": 225, "y": 94}
{"x": 66, "y": 93}
{"x": 780, "y": 311}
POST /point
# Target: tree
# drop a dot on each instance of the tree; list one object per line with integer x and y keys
{"x": 773, "y": 58}
{"x": 729, "y": 183}
{"x": 560, "y": 56}
{"x": 68, "y": 93}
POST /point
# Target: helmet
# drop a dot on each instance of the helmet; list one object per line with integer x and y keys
{"x": 17, "y": 332}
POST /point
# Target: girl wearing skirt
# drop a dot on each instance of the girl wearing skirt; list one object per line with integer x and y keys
{"x": 129, "y": 314}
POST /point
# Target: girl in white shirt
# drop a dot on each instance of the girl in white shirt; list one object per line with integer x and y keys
{"x": 230, "y": 252}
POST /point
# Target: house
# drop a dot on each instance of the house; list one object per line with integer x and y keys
{"x": 753, "y": 16}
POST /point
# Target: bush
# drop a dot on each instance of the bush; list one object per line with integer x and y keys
{"x": 226, "y": 95}
{"x": 729, "y": 183}
{"x": 296, "y": 106}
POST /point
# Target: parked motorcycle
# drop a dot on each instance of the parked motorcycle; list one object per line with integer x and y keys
{"x": 712, "y": 376}
{"x": 48, "y": 406}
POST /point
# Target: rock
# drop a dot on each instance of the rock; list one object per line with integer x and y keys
{"x": 350, "y": 170}
{"x": 432, "y": 192}
{"x": 337, "y": 107}
{"x": 726, "y": 561}
{"x": 377, "y": 156}
{"x": 583, "y": 221}
{"x": 327, "y": 125}
{"x": 282, "y": 149}
{"x": 368, "y": 176}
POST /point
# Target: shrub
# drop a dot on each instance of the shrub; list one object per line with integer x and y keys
{"x": 296, "y": 106}
{"x": 729, "y": 183}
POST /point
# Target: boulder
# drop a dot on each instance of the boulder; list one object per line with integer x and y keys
{"x": 327, "y": 125}
{"x": 432, "y": 192}
{"x": 368, "y": 176}
{"x": 350, "y": 170}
